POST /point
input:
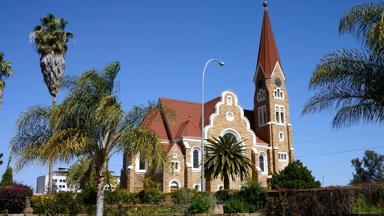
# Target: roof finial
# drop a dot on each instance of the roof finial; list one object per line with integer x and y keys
{"x": 265, "y": 4}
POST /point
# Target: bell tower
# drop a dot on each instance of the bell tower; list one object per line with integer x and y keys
{"x": 271, "y": 107}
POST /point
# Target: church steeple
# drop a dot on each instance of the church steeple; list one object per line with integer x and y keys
{"x": 268, "y": 52}
{"x": 271, "y": 106}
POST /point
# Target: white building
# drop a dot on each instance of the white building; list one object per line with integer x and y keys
{"x": 60, "y": 182}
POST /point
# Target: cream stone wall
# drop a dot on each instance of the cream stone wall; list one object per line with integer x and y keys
{"x": 169, "y": 174}
{"x": 229, "y": 118}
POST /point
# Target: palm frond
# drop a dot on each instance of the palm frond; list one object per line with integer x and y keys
{"x": 364, "y": 21}
{"x": 346, "y": 79}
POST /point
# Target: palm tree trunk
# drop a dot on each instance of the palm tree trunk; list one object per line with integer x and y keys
{"x": 50, "y": 175}
{"x": 1, "y": 97}
{"x": 100, "y": 187}
{"x": 226, "y": 182}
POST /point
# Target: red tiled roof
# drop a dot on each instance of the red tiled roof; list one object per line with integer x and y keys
{"x": 155, "y": 122}
{"x": 184, "y": 120}
{"x": 187, "y": 117}
{"x": 268, "y": 53}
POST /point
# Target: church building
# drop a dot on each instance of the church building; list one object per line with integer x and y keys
{"x": 265, "y": 130}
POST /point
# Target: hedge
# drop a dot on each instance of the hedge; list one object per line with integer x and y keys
{"x": 323, "y": 201}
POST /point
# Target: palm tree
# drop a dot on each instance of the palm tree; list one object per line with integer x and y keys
{"x": 366, "y": 21}
{"x": 32, "y": 132}
{"x": 225, "y": 158}
{"x": 82, "y": 174}
{"x": 348, "y": 81}
{"x": 51, "y": 41}
{"x": 91, "y": 123}
{"x": 5, "y": 71}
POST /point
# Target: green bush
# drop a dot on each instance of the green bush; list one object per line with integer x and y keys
{"x": 294, "y": 176}
{"x": 119, "y": 196}
{"x": 235, "y": 206}
{"x": 202, "y": 203}
{"x": 151, "y": 196}
{"x": 144, "y": 210}
{"x": 182, "y": 196}
{"x": 88, "y": 196}
{"x": 224, "y": 195}
{"x": 253, "y": 194}
{"x": 60, "y": 203}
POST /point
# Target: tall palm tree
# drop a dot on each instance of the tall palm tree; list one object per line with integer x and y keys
{"x": 225, "y": 158}
{"x": 5, "y": 71}
{"x": 51, "y": 42}
{"x": 366, "y": 21}
{"x": 349, "y": 81}
{"x": 91, "y": 123}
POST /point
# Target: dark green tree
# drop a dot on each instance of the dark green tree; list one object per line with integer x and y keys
{"x": 294, "y": 176}
{"x": 225, "y": 158}
{"x": 368, "y": 170}
{"x": 7, "y": 178}
{"x": 1, "y": 155}
{"x": 350, "y": 81}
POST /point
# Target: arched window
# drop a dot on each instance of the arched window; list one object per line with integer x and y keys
{"x": 230, "y": 135}
{"x": 196, "y": 158}
{"x": 261, "y": 163}
{"x": 221, "y": 187}
{"x": 174, "y": 186}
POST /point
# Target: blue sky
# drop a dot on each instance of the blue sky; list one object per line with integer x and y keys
{"x": 162, "y": 47}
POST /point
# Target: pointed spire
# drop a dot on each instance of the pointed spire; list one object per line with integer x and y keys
{"x": 268, "y": 53}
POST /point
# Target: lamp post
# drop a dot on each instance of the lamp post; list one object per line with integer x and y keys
{"x": 220, "y": 63}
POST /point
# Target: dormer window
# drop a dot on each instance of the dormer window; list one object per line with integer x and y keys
{"x": 277, "y": 93}
{"x": 261, "y": 95}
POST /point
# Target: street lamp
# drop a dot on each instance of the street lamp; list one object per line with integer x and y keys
{"x": 221, "y": 64}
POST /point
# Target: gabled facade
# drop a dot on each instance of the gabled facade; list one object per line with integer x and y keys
{"x": 265, "y": 130}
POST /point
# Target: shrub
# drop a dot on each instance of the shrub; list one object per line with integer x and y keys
{"x": 13, "y": 198}
{"x": 326, "y": 201}
{"x": 202, "y": 203}
{"x": 143, "y": 210}
{"x": 119, "y": 196}
{"x": 88, "y": 196}
{"x": 254, "y": 194}
{"x": 294, "y": 176}
{"x": 151, "y": 196}
{"x": 224, "y": 195}
{"x": 235, "y": 206}
{"x": 182, "y": 196}
{"x": 60, "y": 203}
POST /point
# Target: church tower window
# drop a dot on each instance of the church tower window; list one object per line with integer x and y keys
{"x": 278, "y": 93}
{"x": 262, "y": 111}
{"x": 279, "y": 111}
{"x": 261, "y": 95}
